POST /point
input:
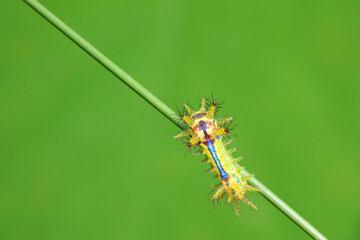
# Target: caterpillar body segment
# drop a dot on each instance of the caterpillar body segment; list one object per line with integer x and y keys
{"x": 207, "y": 133}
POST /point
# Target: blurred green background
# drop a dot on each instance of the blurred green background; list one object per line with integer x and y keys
{"x": 83, "y": 157}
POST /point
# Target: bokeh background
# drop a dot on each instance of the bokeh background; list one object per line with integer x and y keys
{"x": 83, "y": 157}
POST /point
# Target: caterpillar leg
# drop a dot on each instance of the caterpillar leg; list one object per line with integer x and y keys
{"x": 236, "y": 207}
{"x": 251, "y": 188}
{"x": 222, "y": 121}
{"x": 184, "y": 133}
{"x": 247, "y": 201}
{"x": 218, "y": 194}
{"x": 245, "y": 178}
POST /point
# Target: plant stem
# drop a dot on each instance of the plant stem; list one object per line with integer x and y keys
{"x": 163, "y": 108}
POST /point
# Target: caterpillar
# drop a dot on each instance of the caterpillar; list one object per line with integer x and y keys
{"x": 208, "y": 133}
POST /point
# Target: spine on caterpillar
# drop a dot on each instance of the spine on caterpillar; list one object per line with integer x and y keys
{"x": 207, "y": 133}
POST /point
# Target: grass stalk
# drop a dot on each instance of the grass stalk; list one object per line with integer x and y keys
{"x": 163, "y": 108}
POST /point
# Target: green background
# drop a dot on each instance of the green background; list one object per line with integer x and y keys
{"x": 83, "y": 157}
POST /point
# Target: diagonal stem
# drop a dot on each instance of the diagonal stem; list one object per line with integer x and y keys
{"x": 163, "y": 108}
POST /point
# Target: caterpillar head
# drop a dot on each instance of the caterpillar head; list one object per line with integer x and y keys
{"x": 201, "y": 123}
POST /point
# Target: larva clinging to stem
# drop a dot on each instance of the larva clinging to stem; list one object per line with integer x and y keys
{"x": 207, "y": 133}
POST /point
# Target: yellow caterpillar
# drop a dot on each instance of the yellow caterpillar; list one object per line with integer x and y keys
{"x": 207, "y": 133}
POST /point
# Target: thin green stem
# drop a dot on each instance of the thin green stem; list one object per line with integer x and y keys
{"x": 163, "y": 108}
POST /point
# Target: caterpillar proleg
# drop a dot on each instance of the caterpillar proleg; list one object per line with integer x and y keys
{"x": 207, "y": 133}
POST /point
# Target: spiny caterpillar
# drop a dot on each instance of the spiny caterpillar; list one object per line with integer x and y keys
{"x": 207, "y": 133}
